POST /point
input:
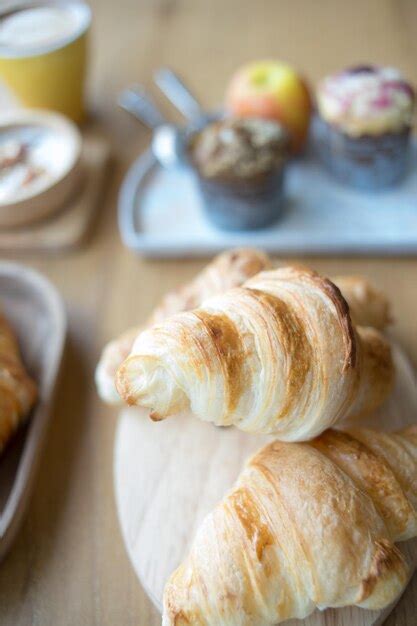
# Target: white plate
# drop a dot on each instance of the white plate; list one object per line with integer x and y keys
{"x": 36, "y": 313}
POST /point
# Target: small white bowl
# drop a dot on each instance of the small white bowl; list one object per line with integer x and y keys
{"x": 62, "y": 147}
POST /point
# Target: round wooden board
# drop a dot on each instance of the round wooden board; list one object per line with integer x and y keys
{"x": 168, "y": 475}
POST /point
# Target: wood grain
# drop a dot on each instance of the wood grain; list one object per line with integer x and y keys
{"x": 169, "y": 475}
{"x": 68, "y": 565}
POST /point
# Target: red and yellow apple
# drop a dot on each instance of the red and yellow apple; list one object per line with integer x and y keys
{"x": 273, "y": 90}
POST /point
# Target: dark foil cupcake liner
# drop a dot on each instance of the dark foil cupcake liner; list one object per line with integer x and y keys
{"x": 243, "y": 205}
{"x": 368, "y": 162}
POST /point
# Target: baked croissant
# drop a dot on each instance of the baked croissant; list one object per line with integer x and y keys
{"x": 307, "y": 525}
{"x": 17, "y": 390}
{"x": 227, "y": 270}
{"x": 277, "y": 356}
{"x": 368, "y": 306}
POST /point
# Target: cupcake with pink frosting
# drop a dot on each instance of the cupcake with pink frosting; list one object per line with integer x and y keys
{"x": 363, "y": 126}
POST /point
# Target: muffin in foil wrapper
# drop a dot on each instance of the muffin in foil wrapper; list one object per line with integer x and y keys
{"x": 362, "y": 130}
{"x": 368, "y": 162}
{"x": 240, "y": 167}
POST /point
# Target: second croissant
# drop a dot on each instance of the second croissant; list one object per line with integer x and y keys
{"x": 306, "y": 525}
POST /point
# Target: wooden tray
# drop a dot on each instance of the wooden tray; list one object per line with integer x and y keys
{"x": 161, "y": 215}
{"x": 68, "y": 228}
{"x": 37, "y": 315}
{"x": 168, "y": 475}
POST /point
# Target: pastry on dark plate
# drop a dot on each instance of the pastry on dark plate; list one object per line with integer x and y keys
{"x": 17, "y": 390}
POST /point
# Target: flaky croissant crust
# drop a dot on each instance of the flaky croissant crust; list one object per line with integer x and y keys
{"x": 279, "y": 355}
{"x": 368, "y": 306}
{"x": 17, "y": 390}
{"x": 228, "y": 269}
{"x": 307, "y": 525}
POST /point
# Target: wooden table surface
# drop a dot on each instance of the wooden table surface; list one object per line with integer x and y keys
{"x": 68, "y": 565}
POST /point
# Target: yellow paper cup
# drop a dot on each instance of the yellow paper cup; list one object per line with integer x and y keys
{"x": 50, "y": 75}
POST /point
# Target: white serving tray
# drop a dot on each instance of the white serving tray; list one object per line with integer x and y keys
{"x": 160, "y": 215}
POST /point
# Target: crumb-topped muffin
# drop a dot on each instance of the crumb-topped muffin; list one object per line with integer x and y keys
{"x": 365, "y": 117}
{"x": 239, "y": 148}
{"x": 240, "y": 165}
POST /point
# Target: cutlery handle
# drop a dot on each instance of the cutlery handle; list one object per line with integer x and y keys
{"x": 178, "y": 94}
{"x": 138, "y": 103}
